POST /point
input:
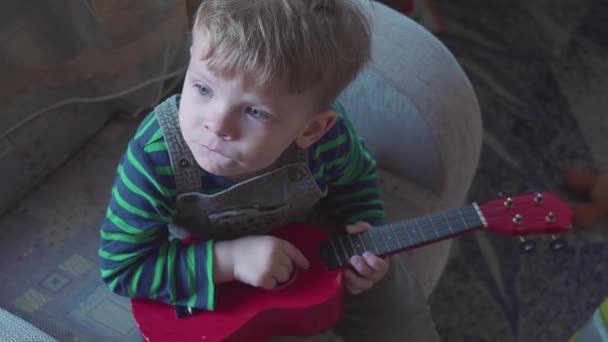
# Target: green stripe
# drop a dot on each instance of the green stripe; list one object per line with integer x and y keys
{"x": 191, "y": 265}
{"x": 171, "y": 260}
{"x": 108, "y": 273}
{"x": 328, "y": 165}
{"x": 371, "y": 175}
{"x": 157, "y": 135}
{"x": 129, "y": 229}
{"x": 350, "y": 196}
{"x": 136, "y": 211}
{"x": 131, "y": 186}
{"x": 141, "y": 170}
{"x": 124, "y": 226}
{"x": 211, "y": 285}
{"x": 371, "y": 165}
{"x": 163, "y": 170}
{"x": 319, "y": 173}
{"x": 158, "y": 270}
{"x": 366, "y": 214}
{"x": 156, "y": 147}
{"x": 145, "y": 127}
{"x": 350, "y": 171}
{"x": 356, "y": 152}
{"x": 112, "y": 285}
{"x": 326, "y": 146}
{"x": 117, "y": 257}
{"x": 336, "y": 162}
{"x": 135, "y": 282}
{"x": 126, "y": 237}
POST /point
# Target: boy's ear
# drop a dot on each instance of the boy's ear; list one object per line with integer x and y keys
{"x": 316, "y": 128}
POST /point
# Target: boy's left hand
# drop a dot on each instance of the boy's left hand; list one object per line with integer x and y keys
{"x": 370, "y": 268}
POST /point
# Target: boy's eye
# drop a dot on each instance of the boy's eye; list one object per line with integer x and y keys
{"x": 256, "y": 113}
{"x": 203, "y": 90}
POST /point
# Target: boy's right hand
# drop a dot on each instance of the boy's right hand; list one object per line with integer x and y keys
{"x": 261, "y": 261}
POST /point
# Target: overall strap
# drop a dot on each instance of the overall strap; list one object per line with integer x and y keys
{"x": 185, "y": 169}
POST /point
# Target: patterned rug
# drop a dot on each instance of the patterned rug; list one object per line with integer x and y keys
{"x": 539, "y": 69}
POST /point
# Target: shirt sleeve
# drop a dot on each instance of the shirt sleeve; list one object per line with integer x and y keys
{"x": 350, "y": 174}
{"x": 137, "y": 259}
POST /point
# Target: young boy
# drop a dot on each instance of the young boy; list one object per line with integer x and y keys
{"x": 255, "y": 141}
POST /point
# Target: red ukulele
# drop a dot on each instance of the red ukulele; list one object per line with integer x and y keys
{"x": 311, "y": 302}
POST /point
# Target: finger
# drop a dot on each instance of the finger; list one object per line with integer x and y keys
{"x": 348, "y": 284}
{"x": 379, "y": 265}
{"x": 356, "y": 284}
{"x": 268, "y": 283}
{"x": 282, "y": 274}
{"x": 286, "y": 262}
{"x": 360, "y": 265}
{"x": 357, "y": 227}
{"x": 295, "y": 255}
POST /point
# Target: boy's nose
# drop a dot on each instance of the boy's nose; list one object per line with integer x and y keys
{"x": 220, "y": 124}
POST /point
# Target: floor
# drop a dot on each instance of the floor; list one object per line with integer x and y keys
{"x": 540, "y": 71}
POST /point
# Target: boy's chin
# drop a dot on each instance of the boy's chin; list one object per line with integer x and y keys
{"x": 237, "y": 172}
{"x": 233, "y": 175}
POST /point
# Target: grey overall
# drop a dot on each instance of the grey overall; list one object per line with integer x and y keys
{"x": 394, "y": 310}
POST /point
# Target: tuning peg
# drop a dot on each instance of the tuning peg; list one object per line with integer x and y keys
{"x": 527, "y": 246}
{"x": 557, "y": 243}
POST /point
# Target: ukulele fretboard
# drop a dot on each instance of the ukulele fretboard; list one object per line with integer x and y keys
{"x": 399, "y": 236}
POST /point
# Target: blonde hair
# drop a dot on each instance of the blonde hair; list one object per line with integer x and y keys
{"x": 303, "y": 43}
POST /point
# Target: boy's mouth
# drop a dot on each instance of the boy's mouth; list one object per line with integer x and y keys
{"x": 214, "y": 150}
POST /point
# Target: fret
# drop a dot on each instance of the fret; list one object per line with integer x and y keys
{"x": 445, "y": 228}
{"x": 368, "y": 241}
{"x": 470, "y": 218}
{"x": 403, "y": 240}
{"x": 436, "y": 225}
{"x": 463, "y": 219}
{"x": 420, "y": 229}
{"x": 466, "y": 224}
{"x": 381, "y": 247}
{"x": 365, "y": 241}
{"x": 392, "y": 239}
{"x": 350, "y": 248}
{"x": 447, "y": 220}
{"x": 457, "y": 223}
{"x": 358, "y": 245}
{"x": 407, "y": 231}
{"x": 427, "y": 227}
{"x": 349, "y": 237}
{"x": 477, "y": 216}
{"x": 337, "y": 254}
{"x": 344, "y": 250}
{"x": 415, "y": 233}
{"x": 379, "y": 231}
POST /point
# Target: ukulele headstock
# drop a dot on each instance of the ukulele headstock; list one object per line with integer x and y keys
{"x": 538, "y": 213}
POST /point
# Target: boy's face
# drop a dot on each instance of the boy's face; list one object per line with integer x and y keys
{"x": 236, "y": 130}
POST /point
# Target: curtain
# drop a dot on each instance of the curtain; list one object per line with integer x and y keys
{"x": 66, "y": 66}
{"x": 54, "y": 53}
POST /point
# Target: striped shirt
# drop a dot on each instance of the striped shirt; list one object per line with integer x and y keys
{"x": 137, "y": 259}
